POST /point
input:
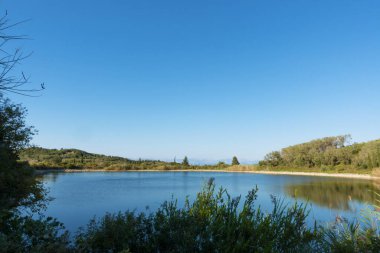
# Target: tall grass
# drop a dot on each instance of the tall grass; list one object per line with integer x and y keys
{"x": 361, "y": 235}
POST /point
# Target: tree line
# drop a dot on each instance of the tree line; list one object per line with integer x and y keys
{"x": 331, "y": 153}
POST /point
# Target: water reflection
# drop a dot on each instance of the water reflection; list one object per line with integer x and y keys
{"x": 335, "y": 194}
{"x": 48, "y": 177}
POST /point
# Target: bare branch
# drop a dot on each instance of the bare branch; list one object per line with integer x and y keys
{"x": 9, "y": 59}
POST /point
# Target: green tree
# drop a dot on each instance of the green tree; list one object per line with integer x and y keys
{"x": 221, "y": 164}
{"x": 17, "y": 182}
{"x": 272, "y": 159}
{"x": 330, "y": 152}
{"x": 185, "y": 161}
{"x": 235, "y": 161}
{"x": 19, "y": 188}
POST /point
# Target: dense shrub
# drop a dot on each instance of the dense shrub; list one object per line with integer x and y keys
{"x": 214, "y": 222}
{"x": 27, "y": 234}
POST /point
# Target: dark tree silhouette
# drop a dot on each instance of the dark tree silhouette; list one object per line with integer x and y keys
{"x": 185, "y": 161}
{"x": 235, "y": 161}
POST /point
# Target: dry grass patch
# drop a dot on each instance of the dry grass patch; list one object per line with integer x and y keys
{"x": 242, "y": 168}
{"x": 376, "y": 172}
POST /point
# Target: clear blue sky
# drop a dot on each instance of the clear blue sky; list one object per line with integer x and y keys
{"x": 207, "y": 79}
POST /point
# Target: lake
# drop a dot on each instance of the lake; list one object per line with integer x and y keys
{"x": 78, "y": 197}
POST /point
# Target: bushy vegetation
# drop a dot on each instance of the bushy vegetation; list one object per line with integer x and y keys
{"x": 343, "y": 236}
{"x": 214, "y": 222}
{"x": 18, "y": 185}
{"x": 33, "y": 234}
{"x": 331, "y": 153}
{"x": 21, "y": 195}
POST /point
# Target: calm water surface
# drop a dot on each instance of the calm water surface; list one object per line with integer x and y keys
{"x": 78, "y": 197}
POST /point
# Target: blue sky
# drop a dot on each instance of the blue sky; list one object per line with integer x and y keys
{"x": 206, "y": 79}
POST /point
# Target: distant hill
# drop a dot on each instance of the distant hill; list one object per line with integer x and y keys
{"x": 42, "y": 158}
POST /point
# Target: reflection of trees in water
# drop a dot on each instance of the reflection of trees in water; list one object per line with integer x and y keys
{"x": 335, "y": 194}
{"x": 48, "y": 177}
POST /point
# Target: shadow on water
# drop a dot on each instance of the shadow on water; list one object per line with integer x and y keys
{"x": 335, "y": 194}
{"x": 48, "y": 177}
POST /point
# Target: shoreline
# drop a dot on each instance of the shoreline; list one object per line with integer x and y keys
{"x": 289, "y": 173}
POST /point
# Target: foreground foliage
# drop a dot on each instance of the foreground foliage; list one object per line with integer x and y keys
{"x": 20, "y": 192}
{"x": 216, "y": 222}
{"x": 31, "y": 234}
{"x": 18, "y": 186}
{"x": 344, "y": 236}
{"x": 212, "y": 223}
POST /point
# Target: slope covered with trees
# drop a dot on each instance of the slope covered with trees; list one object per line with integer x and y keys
{"x": 41, "y": 158}
{"x": 327, "y": 153}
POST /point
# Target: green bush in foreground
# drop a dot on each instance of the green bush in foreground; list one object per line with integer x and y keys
{"x": 214, "y": 222}
{"x": 28, "y": 234}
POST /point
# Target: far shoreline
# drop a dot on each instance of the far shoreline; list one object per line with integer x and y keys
{"x": 289, "y": 173}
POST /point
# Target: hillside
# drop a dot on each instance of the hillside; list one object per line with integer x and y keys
{"x": 330, "y": 153}
{"x": 42, "y": 158}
